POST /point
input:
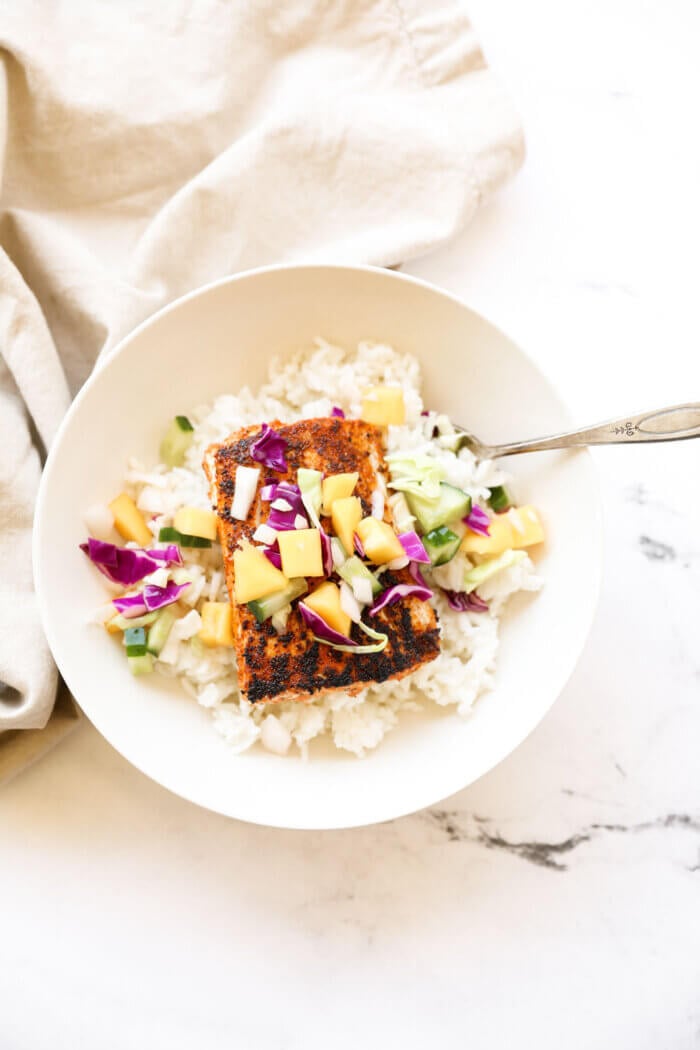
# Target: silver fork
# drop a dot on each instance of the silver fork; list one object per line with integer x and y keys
{"x": 666, "y": 424}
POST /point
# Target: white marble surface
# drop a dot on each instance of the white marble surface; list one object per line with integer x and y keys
{"x": 556, "y": 902}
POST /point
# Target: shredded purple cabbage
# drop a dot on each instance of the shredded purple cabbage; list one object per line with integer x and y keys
{"x": 399, "y": 591}
{"x": 269, "y": 449}
{"x": 327, "y": 553}
{"x": 274, "y": 556}
{"x": 478, "y": 520}
{"x": 337, "y": 413}
{"x": 158, "y": 597}
{"x": 170, "y": 554}
{"x": 417, "y": 575}
{"x": 124, "y": 565}
{"x": 131, "y": 605}
{"x": 284, "y": 520}
{"x": 413, "y": 545}
{"x": 320, "y": 629}
{"x": 151, "y": 598}
{"x": 272, "y": 490}
{"x": 359, "y": 549}
{"x": 461, "y": 602}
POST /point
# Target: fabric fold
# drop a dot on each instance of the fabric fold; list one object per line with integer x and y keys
{"x": 147, "y": 156}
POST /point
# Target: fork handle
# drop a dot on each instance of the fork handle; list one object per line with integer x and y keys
{"x": 666, "y": 424}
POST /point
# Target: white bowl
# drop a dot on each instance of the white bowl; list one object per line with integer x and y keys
{"x": 214, "y": 341}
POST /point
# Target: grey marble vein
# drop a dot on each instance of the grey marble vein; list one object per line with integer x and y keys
{"x": 655, "y": 550}
{"x": 460, "y": 827}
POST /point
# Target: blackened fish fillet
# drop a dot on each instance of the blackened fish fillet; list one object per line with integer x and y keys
{"x": 292, "y": 666}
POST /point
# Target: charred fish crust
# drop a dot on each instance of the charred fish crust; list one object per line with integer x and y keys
{"x": 280, "y": 669}
{"x": 309, "y": 660}
{"x": 237, "y": 452}
{"x": 409, "y": 634}
{"x": 260, "y": 690}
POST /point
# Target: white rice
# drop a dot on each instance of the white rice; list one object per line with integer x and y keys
{"x": 306, "y": 385}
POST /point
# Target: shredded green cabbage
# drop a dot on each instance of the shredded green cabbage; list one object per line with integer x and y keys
{"x": 480, "y": 573}
{"x": 418, "y": 474}
{"x": 309, "y": 482}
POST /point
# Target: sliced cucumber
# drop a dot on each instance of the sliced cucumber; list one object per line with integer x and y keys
{"x": 159, "y": 631}
{"x": 499, "y": 499}
{"x": 354, "y": 569}
{"x": 263, "y": 608}
{"x": 140, "y": 664}
{"x": 170, "y": 535}
{"x": 451, "y": 505}
{"x": 176, "y": 440}
{"x": 126, "y": 622}
{"x": 441, "y": 544}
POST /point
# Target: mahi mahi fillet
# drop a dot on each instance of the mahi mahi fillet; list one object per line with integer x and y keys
{"x": 292, "y": 666}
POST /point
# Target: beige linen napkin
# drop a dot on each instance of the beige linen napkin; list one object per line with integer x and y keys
{"x": 146, "y": 149}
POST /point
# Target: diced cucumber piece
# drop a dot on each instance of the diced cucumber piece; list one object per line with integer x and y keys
{"x": 134, "y": 636}
{"x": 170, "y": 535}
{"x": 176, "y": 440}
{"x": 136, "y": 650}
{"x": 140, "y": 664}
{"x": 159, "y": 631}
{"x": 126, "y": 622}
{"x": 355, "y": 568}
{"x": 263, "y": 608}
{"x": 135, "y": 641}
{"x": 441, "y": 544}
{"x": 194, "y": 541}
{"x": 451, "y": 505}
{"x": 499, "y": 499}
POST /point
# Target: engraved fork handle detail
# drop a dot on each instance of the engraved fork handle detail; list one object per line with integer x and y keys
{"x": 666, "y": 424}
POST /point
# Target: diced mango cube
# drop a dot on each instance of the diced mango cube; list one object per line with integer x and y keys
{"x": 129, "y": 521}
{"x": 346, "y": 515}
{"x": 216, "y": 624}
{"x": 527, "y": 526}
{"x": 517, "y": 528}
{"x": 383, "y": 405}
{"x": 301, "y": 552}
{"x": 255, "y": 575}
{"x": 193, "y": 521}
{"x": 337, "y": 486}
{"x": 379, "y": 540}
{"x": 499, "y": 539}
{"x": 325, "y": 601}
{"x": 112, "y": 628}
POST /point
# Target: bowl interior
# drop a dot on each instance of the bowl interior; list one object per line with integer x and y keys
{"x": 215, "y": 341}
